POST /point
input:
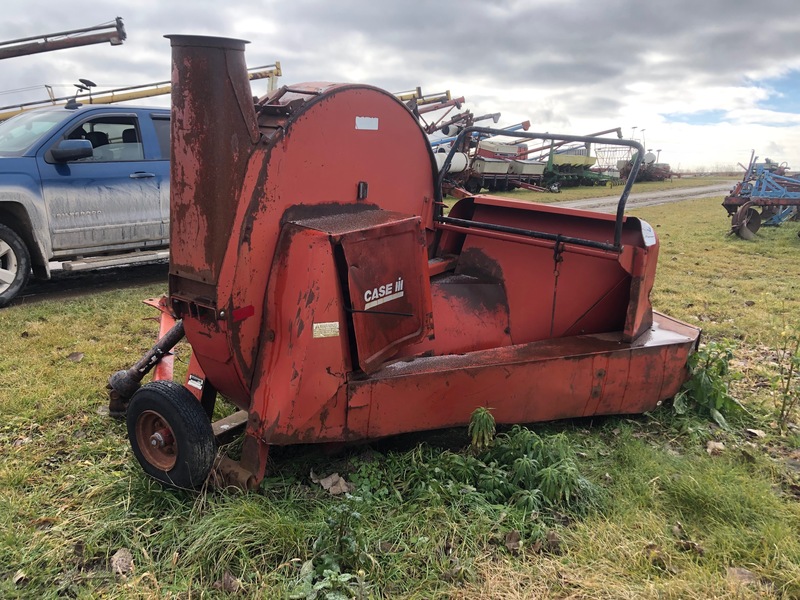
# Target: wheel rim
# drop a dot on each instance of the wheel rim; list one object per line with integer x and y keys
{"x": 752, "y": 220}
{"x": 156, "y": 441}
{"x": 746, "y": 221}
{"x": 8, "y": 266}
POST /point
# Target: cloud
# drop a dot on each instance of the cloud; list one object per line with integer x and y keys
{"x": 707, "y": 81}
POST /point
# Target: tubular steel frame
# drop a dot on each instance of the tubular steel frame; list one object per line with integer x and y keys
{"x": 617, "y": 245}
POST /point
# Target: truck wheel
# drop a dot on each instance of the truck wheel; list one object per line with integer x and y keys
{"x": 170, "y": 434}
{"x": 15, "y": 265}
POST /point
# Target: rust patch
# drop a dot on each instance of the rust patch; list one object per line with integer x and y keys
{"x": 476, "y": 263}
{"x": 475, "y": 294}
{"x": 303, "y": 212}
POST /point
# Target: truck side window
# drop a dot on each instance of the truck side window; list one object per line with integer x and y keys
{"x": 114, "y": 138}
{"x": 162, "y": 133}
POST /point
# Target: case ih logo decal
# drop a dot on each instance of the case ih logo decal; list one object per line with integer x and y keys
{"x": 385, "y": 293}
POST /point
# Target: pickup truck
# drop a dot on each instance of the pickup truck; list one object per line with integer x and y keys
{"x": 87, "y": 186}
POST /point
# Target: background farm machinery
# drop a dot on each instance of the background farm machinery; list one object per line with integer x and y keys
{"x": 112, "y": 32}
{"x": 649, "y": 171}
{"x": 482, "y": 162}
{"x": 766, "y": 196}
{"x": 496, "y": 165}
{"x": 575, "y": 165}
{"x": 270, "y": 73}
{"x": 505, "y": 166}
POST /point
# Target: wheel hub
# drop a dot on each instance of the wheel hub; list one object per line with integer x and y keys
{"x": 162, "y": 438}
{"x": 156, "y": 440}
{"x": 8, "y": 266}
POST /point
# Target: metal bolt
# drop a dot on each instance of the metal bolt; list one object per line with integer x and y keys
{"x": 157, "y": 440}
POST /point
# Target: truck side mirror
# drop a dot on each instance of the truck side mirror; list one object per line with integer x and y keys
{"x": 72, "y": 150}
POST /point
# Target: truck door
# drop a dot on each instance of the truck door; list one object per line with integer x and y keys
{"x": 109, "y": 201}
{"x": 159, "y": 148}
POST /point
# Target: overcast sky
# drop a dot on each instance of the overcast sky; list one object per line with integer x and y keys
{"x": 706, "y": 80}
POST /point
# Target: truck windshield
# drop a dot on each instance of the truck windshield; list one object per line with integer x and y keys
{"x": 19, "y": 133}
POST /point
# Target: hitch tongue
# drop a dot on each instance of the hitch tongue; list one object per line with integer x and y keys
{"x": 124, "y": 383}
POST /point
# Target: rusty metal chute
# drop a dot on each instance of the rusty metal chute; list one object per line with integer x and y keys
{"x": 330, "y": 300}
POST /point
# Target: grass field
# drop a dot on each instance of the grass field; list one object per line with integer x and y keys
{"x": 653, "y": 513}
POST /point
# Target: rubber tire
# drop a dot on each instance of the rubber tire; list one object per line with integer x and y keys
{"x": 23, "y": 257}
{"x": 472, "y": 186}
{"x": 196, "y": 446}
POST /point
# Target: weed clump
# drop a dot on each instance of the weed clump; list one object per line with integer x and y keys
{"x": 481, "y": 428}
{"x": 515, "y": 483}
{"x": 340, "y": 549}
{"x": 787, "y": 381}
{"x": 707, "y": 391}
{"x": 518, "y": 469}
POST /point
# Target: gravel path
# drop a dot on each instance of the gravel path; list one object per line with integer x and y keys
{"x": 609, "y": 203}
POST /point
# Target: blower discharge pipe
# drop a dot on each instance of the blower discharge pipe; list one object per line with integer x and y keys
{"x": 213, "y": 119}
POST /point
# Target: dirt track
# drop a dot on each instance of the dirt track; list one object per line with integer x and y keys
{"x": 609, "y": 203}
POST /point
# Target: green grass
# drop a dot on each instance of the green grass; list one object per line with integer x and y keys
{"x": 71, "y": 493}
{"x": 731, "y": 287}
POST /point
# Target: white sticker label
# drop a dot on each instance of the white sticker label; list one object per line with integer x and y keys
{"x": 324, "y": 330}
{"x": 195, "y": 382}
{"x": 368, "y": 123}
{"x": 648, "y": 234}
